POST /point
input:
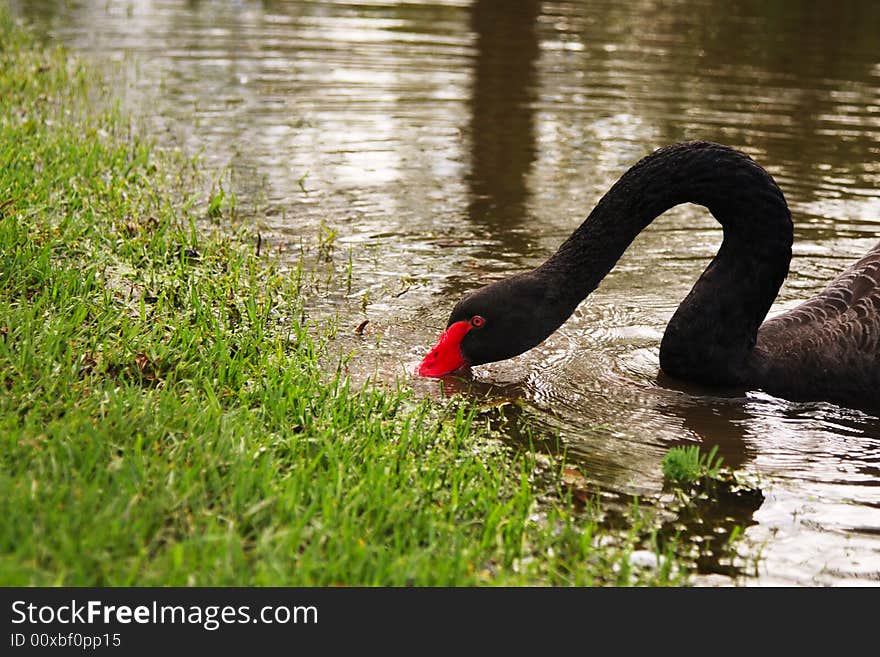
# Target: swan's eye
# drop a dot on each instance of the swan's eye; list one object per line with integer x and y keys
{"x": 477, "y": 321}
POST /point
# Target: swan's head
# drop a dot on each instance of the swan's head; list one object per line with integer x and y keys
{"x": 496, "y": 322}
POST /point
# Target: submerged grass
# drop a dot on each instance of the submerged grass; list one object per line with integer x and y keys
{"x": 164, "y": 419}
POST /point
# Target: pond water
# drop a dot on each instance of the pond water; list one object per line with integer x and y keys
{"x": 444, "y": 144}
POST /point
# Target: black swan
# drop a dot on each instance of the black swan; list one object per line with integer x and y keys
{"x": 825, "y": 349}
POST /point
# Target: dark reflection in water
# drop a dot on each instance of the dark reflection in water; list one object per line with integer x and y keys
{"x": 502, "y": 121}
{"x": 449, "y": 142}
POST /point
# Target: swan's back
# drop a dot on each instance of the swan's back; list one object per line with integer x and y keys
{"x": 829, "y": 346}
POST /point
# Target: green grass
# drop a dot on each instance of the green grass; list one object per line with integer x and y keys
{"x": 166, "y": 417}
{"x": 686, "y": 465}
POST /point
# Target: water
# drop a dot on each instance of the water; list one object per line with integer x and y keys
{"x": 450, "y": 143}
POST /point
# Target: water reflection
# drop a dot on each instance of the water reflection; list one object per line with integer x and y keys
{"x": 451, "y": 142}
{"x": 502, "y": 123}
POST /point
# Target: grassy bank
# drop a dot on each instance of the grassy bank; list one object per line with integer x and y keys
{"x": 164, "y": 419}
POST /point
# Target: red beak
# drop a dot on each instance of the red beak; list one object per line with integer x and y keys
{"x": 446, "y": 357}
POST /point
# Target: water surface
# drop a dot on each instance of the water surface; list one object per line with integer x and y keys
{"x": 446, "y": 144}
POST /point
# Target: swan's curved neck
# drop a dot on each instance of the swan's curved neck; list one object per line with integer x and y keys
{"x": 710, "y": 338}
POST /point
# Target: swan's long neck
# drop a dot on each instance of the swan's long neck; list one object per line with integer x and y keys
{"x": 711, "y": 336}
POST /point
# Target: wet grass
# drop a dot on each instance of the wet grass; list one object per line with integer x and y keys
{"x": 686, "y": 465}
{"x": 712, "y": 506}
{"x": 167, "y": 417}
